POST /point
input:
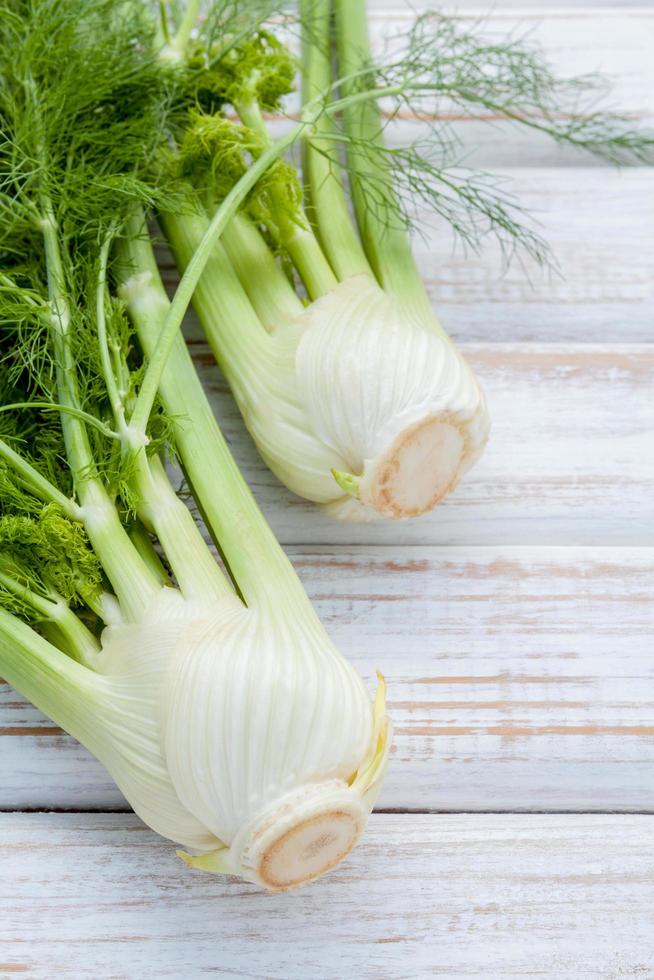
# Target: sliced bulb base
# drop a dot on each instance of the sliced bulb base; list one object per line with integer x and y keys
{"x": 306, "y": 834}
{"x": 422, "y": 465}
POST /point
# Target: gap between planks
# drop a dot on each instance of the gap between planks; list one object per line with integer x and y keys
{"x": 383, "y": 811}
{"x": 566, "y": 463}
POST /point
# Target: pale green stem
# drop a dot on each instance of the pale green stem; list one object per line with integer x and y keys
{"x": 146, "y": 549}
{"x": 78, "y": 451}
{"x": 67, "y": 692}
{"x": 366, "y": 95}
{"x": 84, "y": 646}
{"x": 251, "y": 116}
{"x": 75, "y": 413}
{"x": 328, "y": 207}
{"x": 220, "y": 301}
{"x": 309, "y": 260}
{"x": 113, "y": 394}
{"x": 388, "y": 249}
{"x": 184, "y": 292}
{"x": 269, "y": 291}
{"x": 93, "y": 599}
{"x": 176, "y": 48}
{"x": 132, "y": 580}
{"x": 38, "y": 484}
{"x": 163, "y": 33}
{"x": 54, "y": 636}
{"x": 161, "y": 510}
{"x": 256, "y": 562}
{"x": 297, "y": 235}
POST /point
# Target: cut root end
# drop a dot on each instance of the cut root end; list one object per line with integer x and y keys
{"x": 305, "y": 835}
{"x": 308, "y": 850}
{"x": 420, "y": 468}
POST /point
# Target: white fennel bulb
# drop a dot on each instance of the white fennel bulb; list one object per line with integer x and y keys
{"x": 357, "y": 399}
{"x": 239, "y": 732}
{"x": 265, "y": 733}
{"x": 358, "y": 403}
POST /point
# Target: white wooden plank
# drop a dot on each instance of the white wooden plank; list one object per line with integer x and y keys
{"x": 576, "y": 39}
{"x": 569, "y": 460}
{"x": 518, "y": 678}
{"x": 487, "y": 897}
{"x": 600, "y": 226}
{"x": 380, "y": 8}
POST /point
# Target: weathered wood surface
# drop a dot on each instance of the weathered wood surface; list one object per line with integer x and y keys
{"x": 569, "y": 461}
{"x": 515, "y": 627}
{"x": 576, "y": 40}
{"x": 518, "y": 678}
{"x": 536, "y": 8}
{"x": 486, "y": 897}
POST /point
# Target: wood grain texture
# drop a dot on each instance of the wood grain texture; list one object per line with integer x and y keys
{"x": 517, "y": 679}
{"x": 600, "y": 226}
{"x": 576, "y": 39}
{"x": 538, "y": 8}
{"x": 483, "y": 897}
{"x": 569, "y": 460}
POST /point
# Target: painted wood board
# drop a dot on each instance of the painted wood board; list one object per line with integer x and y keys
{"x": 518, "y": 678}
{"x": 535, "y": 7}
{"x": 580, "y": 39}
{"x": 485, "y": 896}
{"x": 577, "y": 39}
{"x": 569, "y": 460}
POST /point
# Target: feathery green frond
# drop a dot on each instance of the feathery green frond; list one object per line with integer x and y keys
{"x": 444, "y": 64}
{"x": 81, "y": 107}
{"x": 216, "y": 152}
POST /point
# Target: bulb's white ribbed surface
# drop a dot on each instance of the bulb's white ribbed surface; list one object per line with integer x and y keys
{"x": 345, "y": 384}
{"x": 217, "y": 714}
{"x": 134, "y": 662}
{"x": 274, "y": 707}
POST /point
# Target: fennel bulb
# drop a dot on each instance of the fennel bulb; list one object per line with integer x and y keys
{"x": 217, "y": 702}
{"x": 239, "y": 732}
{"x": 392, "y": 393}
